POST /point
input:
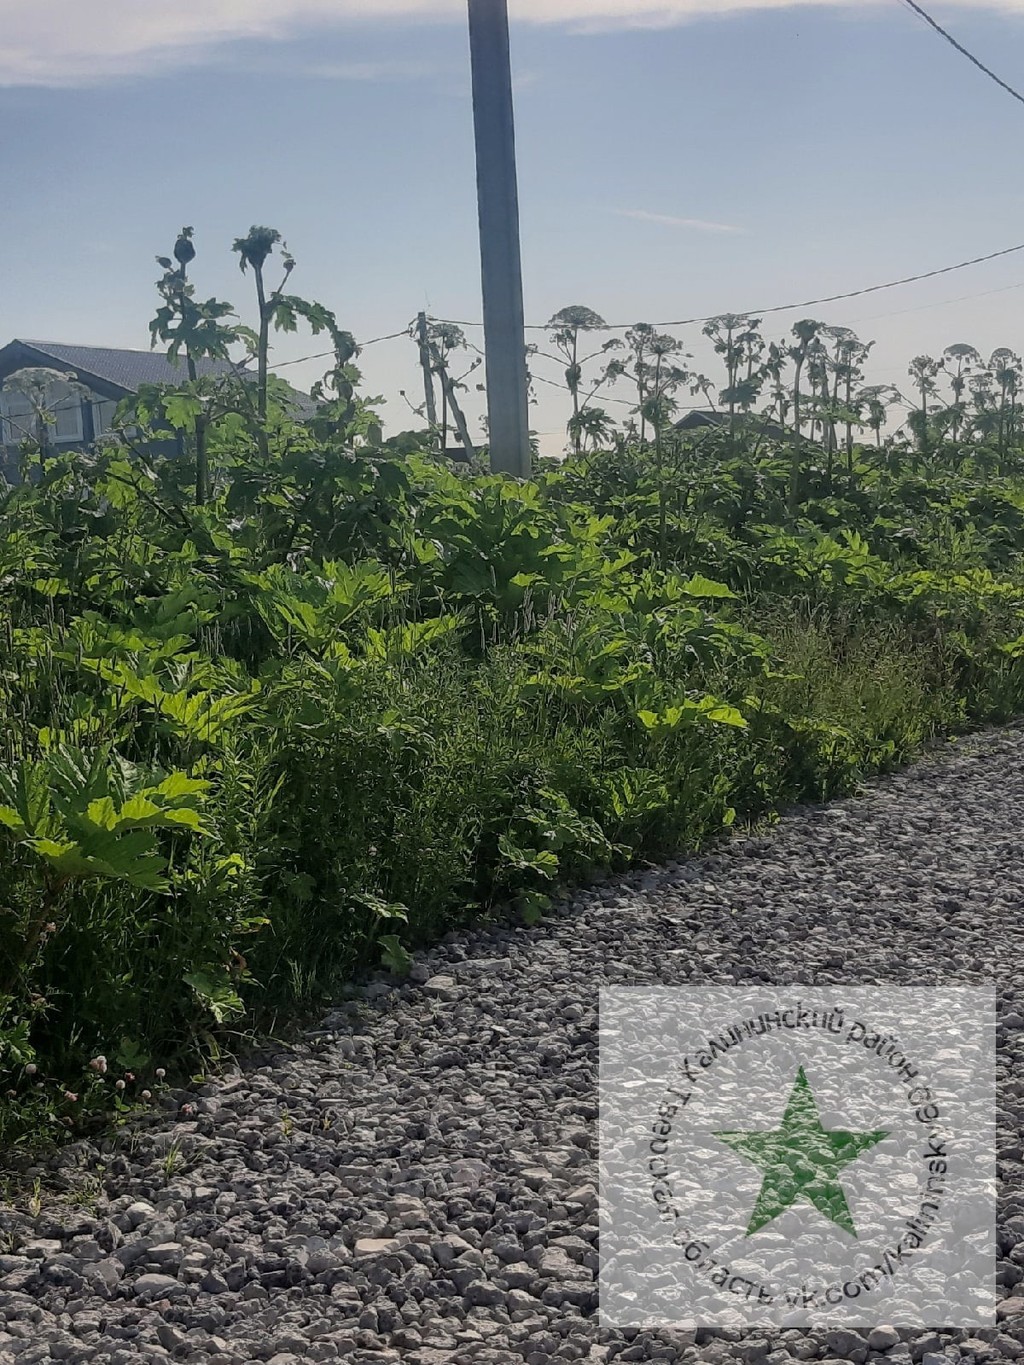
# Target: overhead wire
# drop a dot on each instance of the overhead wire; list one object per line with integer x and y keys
{"x": 944, "y": 33}
{"x": 686, "y": 322}
{"x": 782, "y": 307}
{"x": 941, "y": 303}
{"x": 607, "y": 398}
{"x": 362, "y": 345}
{"x": 553, "y": 384}
{"x": 709, "y": 317}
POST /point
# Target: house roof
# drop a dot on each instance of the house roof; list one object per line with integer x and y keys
{"x": 124, "y": 369}
{"x": 701, "y": 417}
{"x": 706, "y": 417}
{"x": 117, "y": 372}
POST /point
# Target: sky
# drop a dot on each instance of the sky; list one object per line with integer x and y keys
{"x": 677, "y": 158}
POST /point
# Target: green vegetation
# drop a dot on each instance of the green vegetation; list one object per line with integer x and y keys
{"x": 297, "y": 703}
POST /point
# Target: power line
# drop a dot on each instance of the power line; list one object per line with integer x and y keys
{"x": 923, "y": 14}
{"x": 280, "y": 364}
{"x": 783, "y": 307}
{"x": 689, "y": 322}
{"x": 553, "y": 384}
{"x": 405, "y": 332}
{"x": 606, "y": 398}
{"x": 942, "y": 303}
{"x": 362, "y": 345}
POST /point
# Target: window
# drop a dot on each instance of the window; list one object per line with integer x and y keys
{"x": 67, "y": 410}
{"x": 17, "y": 423}
{"x": 103, "y": 410}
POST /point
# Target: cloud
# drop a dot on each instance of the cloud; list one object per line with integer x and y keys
{"x": 668, "y": 220}
{"x": 80, "y": 42}
{"x": 523, "y": 80}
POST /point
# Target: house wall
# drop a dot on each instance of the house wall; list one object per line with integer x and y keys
{"x": 71, "y": 426}
{"x": 80, "y": 420}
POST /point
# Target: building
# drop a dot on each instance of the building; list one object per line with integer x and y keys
{"x": 702, "y": 418}
{"x": 109, "y": 375}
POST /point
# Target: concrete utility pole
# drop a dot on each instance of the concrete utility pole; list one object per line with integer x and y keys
{"x": 508, "y": 420}
{"x": 422, "y": 340}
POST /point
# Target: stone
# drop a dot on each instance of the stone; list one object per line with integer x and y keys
{"x": 158, "y": 1287}
{"x": 883, "y": 1338}
{"x": 442, "y": 987}
{"x": 376, "y": 1246}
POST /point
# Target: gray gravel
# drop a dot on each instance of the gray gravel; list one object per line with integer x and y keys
{"x": 415, "y": 1181}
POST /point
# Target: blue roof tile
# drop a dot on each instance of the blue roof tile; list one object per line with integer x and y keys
{"x": 128, "y": 370}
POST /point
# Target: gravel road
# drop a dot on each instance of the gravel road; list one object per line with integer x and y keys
{"x": 416, "y": 1181}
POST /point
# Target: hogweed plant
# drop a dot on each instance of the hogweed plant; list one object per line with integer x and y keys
{"x": 358, "y": 696}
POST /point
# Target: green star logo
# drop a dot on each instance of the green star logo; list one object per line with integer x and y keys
{"x": 801, "y": 1160}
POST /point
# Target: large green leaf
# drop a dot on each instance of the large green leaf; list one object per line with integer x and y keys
{"x": 99, "y": 815}
{"x": 699, "y": 586}
{"x": 216, "y": 992}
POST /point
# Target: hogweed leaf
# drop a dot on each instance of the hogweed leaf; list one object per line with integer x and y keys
{"x": 393, "y": 955}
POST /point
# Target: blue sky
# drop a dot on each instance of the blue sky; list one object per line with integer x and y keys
{"x": 676, "y": 158}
